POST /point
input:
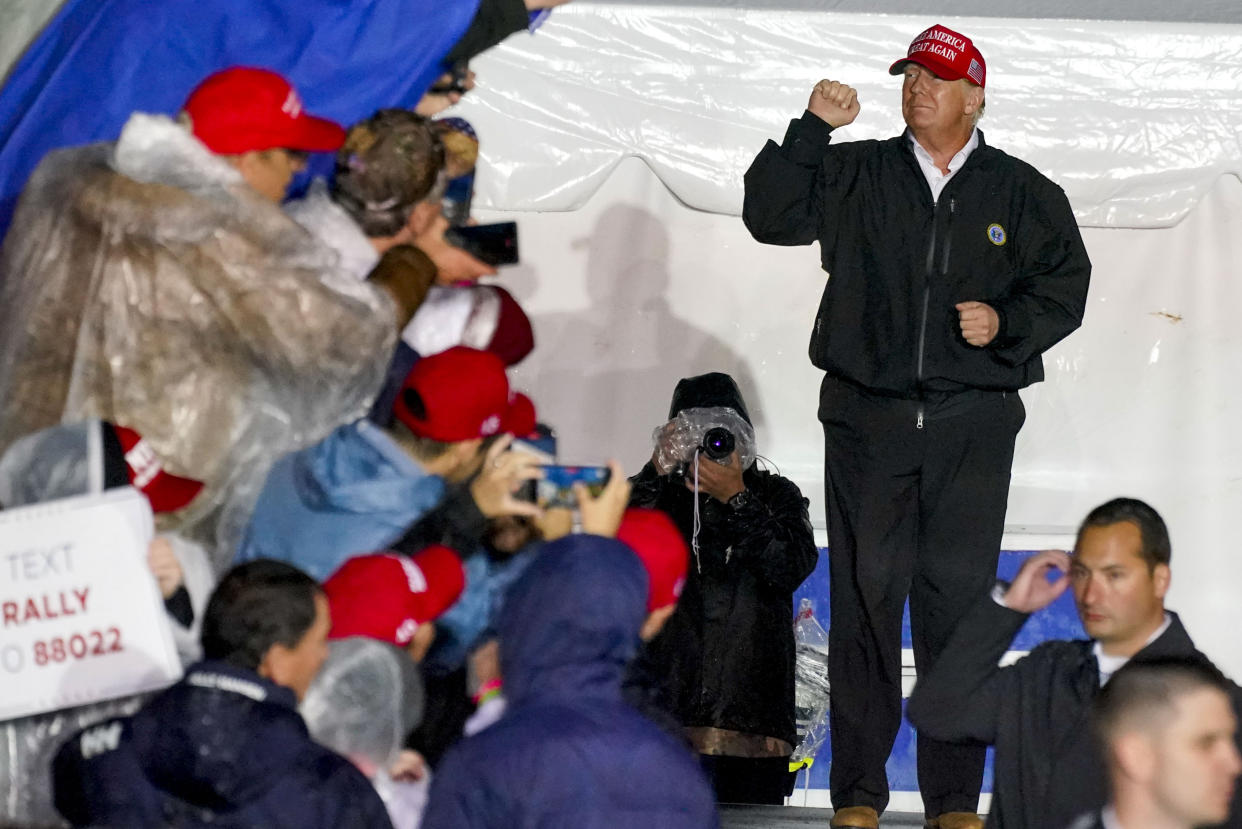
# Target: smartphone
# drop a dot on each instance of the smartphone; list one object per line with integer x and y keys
{"x": 495, "y": 244}
{"x": 458, "y": 73}
{"x": 556, "y": 489}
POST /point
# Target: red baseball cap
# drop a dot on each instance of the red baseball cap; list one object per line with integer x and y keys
{"x": 165, "y": 491}
{"x": 462, "y": 394}
{"x": 948, "y": 54}
{"x": 514, "y": 337}
{"x": 661, "y": 548}
{"x": 244, "y": 109}
{"x": 387, "y": 596}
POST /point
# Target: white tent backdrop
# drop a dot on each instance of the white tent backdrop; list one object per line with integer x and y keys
{"x": 632, "y": 117}
{"x": 1134, "y": 119}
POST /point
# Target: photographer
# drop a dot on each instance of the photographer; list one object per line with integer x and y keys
{"x": 726, "y": 657}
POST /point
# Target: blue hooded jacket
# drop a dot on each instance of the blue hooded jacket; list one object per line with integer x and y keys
{"x": 221, "y": 748}
{"x": 355, "y": 492}
{"x": 473, "y": 616}
{"x": 569, "y": 751}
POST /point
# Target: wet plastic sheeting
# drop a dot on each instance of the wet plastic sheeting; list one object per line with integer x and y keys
{"x": 1134, "y": 120}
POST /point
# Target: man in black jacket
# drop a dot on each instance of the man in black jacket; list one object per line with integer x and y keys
{"x": 953, "y": 268}
{"x": 1036, "y": 712}
{"x": 226, "y": 745}
{"x": 726, "y": 656}
{"x": 1168, "y": 731}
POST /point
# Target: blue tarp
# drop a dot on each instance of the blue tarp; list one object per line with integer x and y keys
{"x": 1058, "y": 620}
{"x": 97, "y": 61}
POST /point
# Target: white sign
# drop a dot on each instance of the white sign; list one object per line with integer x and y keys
{"x": 81, "y": 618}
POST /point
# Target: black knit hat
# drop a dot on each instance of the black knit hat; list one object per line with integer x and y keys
{"x": 708, "y": 391}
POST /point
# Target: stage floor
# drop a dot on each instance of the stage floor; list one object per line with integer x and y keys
{"x": 792, "y": 817}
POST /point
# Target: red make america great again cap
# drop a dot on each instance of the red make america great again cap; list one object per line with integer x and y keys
{"x": 948, "y": 54}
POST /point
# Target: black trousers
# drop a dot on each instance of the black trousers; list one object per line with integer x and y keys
{"x": 915, "y": 512}
{"x": 759, "y": 780}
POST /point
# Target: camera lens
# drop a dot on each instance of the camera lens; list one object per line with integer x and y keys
{"x": 718, "y": 443}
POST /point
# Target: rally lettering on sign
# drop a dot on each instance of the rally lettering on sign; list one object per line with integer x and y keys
{"x": 81, "y": 618}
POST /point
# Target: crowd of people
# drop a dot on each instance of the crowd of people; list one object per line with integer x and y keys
{"x": 382, "y": 622}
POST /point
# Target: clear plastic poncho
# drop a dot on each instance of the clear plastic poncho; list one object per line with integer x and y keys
{"x": 365, "y": 700}
{"x": 812, "y": 693}
{"x": 146, "y": 284}
{"x": 27, "y": 747}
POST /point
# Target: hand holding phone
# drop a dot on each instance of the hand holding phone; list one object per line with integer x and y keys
{"x": 601, "y": 513}
{"x": 560, "y": 485}
{"x": 494, "y": 244}
{"x": 455, "y": 80}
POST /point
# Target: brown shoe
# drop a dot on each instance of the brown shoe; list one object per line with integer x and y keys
{"x": 958, "y": 820}
{"x": 855, "y": 817}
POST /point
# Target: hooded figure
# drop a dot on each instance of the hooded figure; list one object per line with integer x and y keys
{"x": 354, "y": 492}
{"x": 569, "y": 751}
{"x": 724, "y": 662}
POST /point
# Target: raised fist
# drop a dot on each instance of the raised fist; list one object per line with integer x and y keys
{"x": 834, "y": 103}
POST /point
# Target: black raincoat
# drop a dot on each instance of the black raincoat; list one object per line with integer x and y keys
{"x": 726, "y": 656}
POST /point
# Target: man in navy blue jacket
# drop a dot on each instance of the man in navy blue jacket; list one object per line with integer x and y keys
{"x": 569, "y": 751}
{"x": 226, "y": 746}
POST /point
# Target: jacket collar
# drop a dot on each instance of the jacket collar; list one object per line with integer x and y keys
{"x": 1175, "y": 641}
{"x": 221, "y": 676}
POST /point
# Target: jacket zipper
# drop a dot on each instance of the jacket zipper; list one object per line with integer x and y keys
{"x": 928, "y": 269}
{"x": 930, "y": 272}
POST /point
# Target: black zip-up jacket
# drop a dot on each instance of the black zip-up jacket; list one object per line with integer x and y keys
{"x": 1001, "y": 233}
{"x": 1048, "y": 769}
{"x": 726, "y": 656}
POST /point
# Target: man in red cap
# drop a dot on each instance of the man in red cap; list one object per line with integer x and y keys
{"x": 394, "y": 598}
{"x": 954, "y": 267}
{"x": 359, "y": 489}
{"x": 208, "y": 321}
{"x": 256, "y": 121}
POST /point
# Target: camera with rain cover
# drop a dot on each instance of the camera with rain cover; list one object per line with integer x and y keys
{"x": 712, "y": 433}
{"x": 718, "y": 444}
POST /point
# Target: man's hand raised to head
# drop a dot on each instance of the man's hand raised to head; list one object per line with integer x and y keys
{"x": 1031, "y": 590}
{"x": 834, "y": 103}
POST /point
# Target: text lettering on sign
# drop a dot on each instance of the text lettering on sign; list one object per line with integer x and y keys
{"x": 35, "y": 564}
{"x": 46, "y": 607}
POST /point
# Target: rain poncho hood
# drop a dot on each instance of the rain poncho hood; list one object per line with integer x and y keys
{"x": 354, "y": 492}
{"x": 366, "y": 698}
{"x": 568, "y": 751}
{"x": 569, "y": 624}
{"x": 708, "y": 391}
{"x": 146, "y": 284}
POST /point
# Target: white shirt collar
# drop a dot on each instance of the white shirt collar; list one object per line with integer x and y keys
{"x": 936, "y": 180}
{"x": 1108, "y": 818}
{"x": 1109, "y": 665}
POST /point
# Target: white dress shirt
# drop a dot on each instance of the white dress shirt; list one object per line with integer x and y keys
{"x": 936, "y": 180}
